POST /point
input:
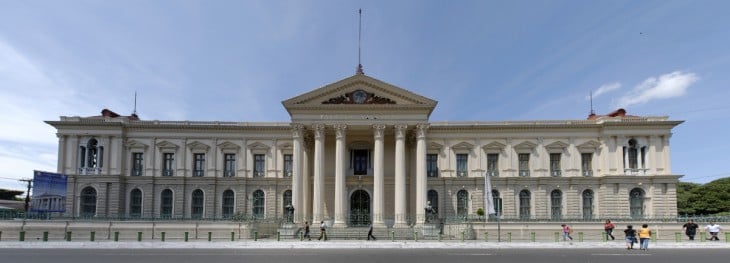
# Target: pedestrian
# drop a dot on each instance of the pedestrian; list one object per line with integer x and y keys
{"x": 608, "y": 227}
{"x": 566, "y": 232}
{"x": 690, "y": 229}
{"x": 306, "y": 230}
{"x": 630, "y": 233}
{"x": 644, "y": 237}
{"x": 714, "y": 230}
{"x": 370, "y": 232}
{"x": 322, "y": 229}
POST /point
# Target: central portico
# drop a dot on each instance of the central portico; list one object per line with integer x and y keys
{"x": 358, "y": 134}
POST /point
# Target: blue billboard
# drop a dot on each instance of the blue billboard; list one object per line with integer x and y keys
{"x": 49, "y": 192}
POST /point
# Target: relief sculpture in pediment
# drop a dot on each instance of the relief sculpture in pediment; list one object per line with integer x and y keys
{"x": 358, "y": 97}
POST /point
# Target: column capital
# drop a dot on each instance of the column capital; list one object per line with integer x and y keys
{"x": 400, "y": 131}
{"x": 421, "y": 130}
{"x": 340, "y": 130}
{"x": 378, "y": 130}
{"x": 297, "y": 130}
{"x": 318, "y": 130}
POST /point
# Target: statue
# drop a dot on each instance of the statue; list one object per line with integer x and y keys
{"x": 289, "y": 213}
{"x": 430, "y": 212}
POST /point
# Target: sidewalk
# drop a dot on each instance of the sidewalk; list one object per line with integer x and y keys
{"x": 387, "y": 244}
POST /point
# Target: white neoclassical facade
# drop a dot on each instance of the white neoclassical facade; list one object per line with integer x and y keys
{"x": 361, "y": 149}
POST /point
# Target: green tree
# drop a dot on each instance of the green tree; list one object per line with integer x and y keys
{"x": 685, "y": 198}
{"x": 708, "y": 199}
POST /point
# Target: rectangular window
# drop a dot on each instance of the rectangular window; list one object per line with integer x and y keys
{"x": 461, "y": 164}
{"x": 555, "y": 164}
{"x": 136, "y": 164}
{"x": 167, "y": 164}
{"x": 198, "y": 165}
{"x": 288, "y": 165}
{"x": 229, "y": 165}
{"x": 492, "y": 164}
{"x": 524, "y": 164}
{"x": 259, "y": 166}
{"x": 432, "y": 167}
{"x": 586, "y": 164}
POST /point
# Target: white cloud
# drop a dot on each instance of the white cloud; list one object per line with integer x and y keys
{"x": 606, "y": 88}
{"x": 666, "y": 86}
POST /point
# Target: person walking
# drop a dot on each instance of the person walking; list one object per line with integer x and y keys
{"x": 630, "y": 236}
{"x": 322, "y": 229}
{"x": 608, "y": 227}
{"x": 714, "y": 230}
{"x": 690, "y": 229}
{"x": 644, "y": 237}
{"x": 370, "y": 232}
{"x": 566, "y": 232}
{"x": 306, "y": 230}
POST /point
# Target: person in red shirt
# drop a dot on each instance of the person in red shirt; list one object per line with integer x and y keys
{"x": 608, "y": 227}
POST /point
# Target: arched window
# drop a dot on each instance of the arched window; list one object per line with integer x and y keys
{"x": 556, "y": 204}
{"x": 433, "y": 197}
{"x": 633, "y": 152}
{"x": 497, "y": 202}
{"x": 93, "y": 154}
{"x": 228, "y": 203}
{"x": 462, "y": 204}
{"x": 588, "y": 204}
{"x": 259, "y": 204}
{"x": 91, "y": 157}
{"x": 198, "y": 201}
{"x": 525, "y": 204}
{"x": 166, "y": 203}
{"x": 286, "y": 200}
{"x": 135, "y": 203}
{"x": 88, "y": 202}
{"x": 636, "y": 203}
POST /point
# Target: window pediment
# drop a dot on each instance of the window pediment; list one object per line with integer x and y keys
{"x": 526, "y": 145}
{"x": 286, "y": 146}
{"x": 463, "y": 146}
{"x": 558, "y": 145}
{"x": 589, "y": 145}
{"x": 434, "y": 146}
{"x": 135, "y": 144}
{"x": 258, "y": 146}
{"x": 196, "y": 145}
{"x": 494, "y": 146}
{"x": 226, "y": 145}
{"x": 167, "y": 145}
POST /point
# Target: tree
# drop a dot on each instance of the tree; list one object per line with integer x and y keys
{"x": 708, "y": 199}
{"x": 685, "y": 197}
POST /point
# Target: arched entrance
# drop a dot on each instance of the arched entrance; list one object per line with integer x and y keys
{"x": 359, "y": 208}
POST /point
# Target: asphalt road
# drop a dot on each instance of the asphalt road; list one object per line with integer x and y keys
{"x": 363, "y": 255}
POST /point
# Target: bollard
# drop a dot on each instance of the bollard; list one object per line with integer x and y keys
{"x": 392, "y": 236}
{"x": 45, "y": 236}
{"x": 654, "y": 237}
{"x": 580, "y": 236}
{"x": 186, "y": 236}
{"x": 727, "y": 237}
{"x": 557, "y": 237}
{"x": 162, "y": 236}
{"x": 116, "y": 236}
{"x": 532, "y": 236}
{"x": 462, "y": 236}
{"x": 325, "y": 235}
{"x": 139, "y": 236}
{"x": 509, "y": 236}
{"x": 415, "y": 236}
{"x": 21, "y": 236}
{"x": 233, "y": 236}
{"x": 1, "y": 235}
{"x": 677, "y": 236}
{"x": 604, "y": 237}
{"x": 441, "y": 237}
{"x": 486, "y": 236}
{"x": 92, "y": 236}
{"x": 68, "y": 236}
{"x": 256, "y": 236}
{"x": 301, "y": 236}
{"x": 702, "y": 237}
{"x": 278, "y": 236}
{"x": 210, "y": 236}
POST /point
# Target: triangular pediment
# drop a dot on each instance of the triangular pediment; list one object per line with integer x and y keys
{"x": 135, "y": 144}
{"x": 557, "y": 145}
{"x": 434, "y": 146}
{"x": 463, "y": 146}
{"x": 589, "y": 145}
{"x": 359, "y": 93}
{"x": 258, "y": 146}
{"x": 526, "y": 145}
{"x": 166, "y": 145}
{"x": 228, "y": 145}
{"x": 196, "y": 145}
{"x": 494, "y": 146}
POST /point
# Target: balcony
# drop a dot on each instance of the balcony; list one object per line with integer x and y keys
{"x": 167, "y": 173}
{"x": 524, "y": 173}
{"x": 137, "y": 172}
{"x": 493, "y": 173}
{"x": 432, "y": 174}
{"x": 258, "y": 174}
{"x": 461, "y": 173}
{"x": 587, "y": 173}
{"x": 229, "y": 173}
{"x": 198, "y": 173}
{"x": 556, "y": 173}
{"x": 89, "y": 171}
{"x": 287, "y": 173}
{"x": 635, "y": 171}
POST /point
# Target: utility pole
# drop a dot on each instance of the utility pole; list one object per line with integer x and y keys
{"x": 27, "y": 194}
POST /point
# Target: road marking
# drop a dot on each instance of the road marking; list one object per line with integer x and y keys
{"x": 621, "y": 255}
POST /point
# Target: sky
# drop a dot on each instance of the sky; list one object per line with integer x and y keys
{"x": 482, "y": 60}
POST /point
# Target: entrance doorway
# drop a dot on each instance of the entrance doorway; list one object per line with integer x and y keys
{"x": 359, "y": 208}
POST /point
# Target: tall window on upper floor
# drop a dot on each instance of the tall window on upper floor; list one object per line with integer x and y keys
{"x": 137, "y": 167}
{"x": 286, "y": 200}
{"x": 432, "y": 166}
{"x": 228, "y": 203}
{"x": 168, "y": 160}
{"x": 555, "y": 164}
{"x": 288, "y": 165}
{"x": 360, "y": 161}
{"x": 461, "y": 164}
{"x": 433, "y": 199}
{"x": 636, "y": 203}
{"x": 259, "y": 165}
{"x": 166, "y": 203}
{"x": 556, "y": 204}
{"x": 197, "y": 204}
{"x": 259, "y": 204}
{"x": 586, "y": 164}
{"x": 493, "y": 164}
{"x": 229, "y": 165}
{"x": 497, "y": 202}
{"x": 524, "y": 164}
{"x": 198, "y": 165}
{"x": 91, "y": 157}
{"x": 88, "y": 202}
{"x": 588, "y": 204}
{"x": 135, "y": 203}
{"x": 462, "y": 204}
{"x": 525, "y": 204}
{"x": 634, "y": 156}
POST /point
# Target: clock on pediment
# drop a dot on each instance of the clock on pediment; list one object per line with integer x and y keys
{"x": 359, "y": 96}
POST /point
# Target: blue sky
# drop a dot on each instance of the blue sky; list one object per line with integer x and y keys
{"x": 481, "y": 60}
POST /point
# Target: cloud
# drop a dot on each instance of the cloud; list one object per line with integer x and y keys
{"x": 605, "y": 88}
{"x": 666, "y": 86}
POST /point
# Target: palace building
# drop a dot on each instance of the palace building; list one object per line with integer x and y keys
{"x": 359, "y": 150}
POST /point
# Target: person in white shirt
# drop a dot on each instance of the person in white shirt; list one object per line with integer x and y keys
{"x": 714, "y": 230}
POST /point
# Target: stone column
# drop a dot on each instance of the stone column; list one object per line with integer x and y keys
{"x": 340, "y": 159}
{"x": 297, "y": 197}
{"x": 378, "y": 185}
{"x": 421, "y": 172}
{"x": 318, "y": 198}
{"x": 400, "y": 174}
{"x": 306, "y": 182}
